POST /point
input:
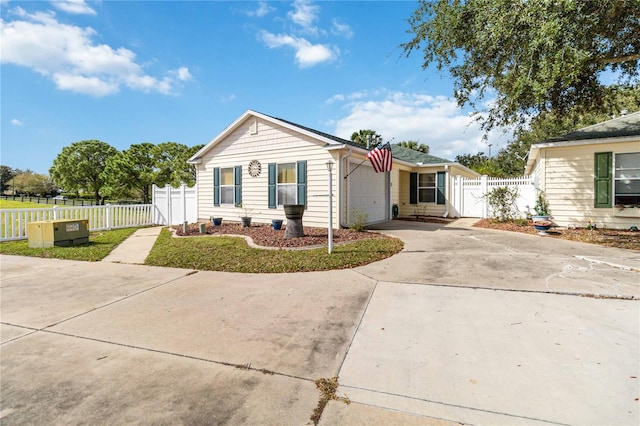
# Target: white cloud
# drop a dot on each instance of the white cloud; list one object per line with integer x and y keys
{"x": 304, "y": 14}
{"x": 85, "y": 85}
{"x": 75, "y": 7}
{"x": 307, "y": 54}
{"x": 68, "y": 56}
{"x": 262, "y": 10}
{"x": 228, "y": 98}
{"x": 17, "y": 122}
{"x": 436, "y": 121}
{"x": 338, "y": 28}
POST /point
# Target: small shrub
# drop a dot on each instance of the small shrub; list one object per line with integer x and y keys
{"x": 502, "y": 201}
{"x": 359, "y": 219}
{"x": 521, "y": 222}
{"x": 542, "y": 205}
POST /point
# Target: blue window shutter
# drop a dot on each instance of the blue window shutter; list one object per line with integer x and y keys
{"x": 440, "y": 182}
{"x": 273, "y": 175}
{"x": 237, "y": 185}
{"x": 302, "y": 182}
{"x": 602, "y": 179}
{"x": 413, "y": 188}
{"x": 216, "y": 186}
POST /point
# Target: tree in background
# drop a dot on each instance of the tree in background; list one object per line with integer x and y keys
{"x": 131, "y": 172}
{"x": 33, "y": 184}
{"x": 6, "y": 174}
{"x": 535, "y": 57}
{"x": 173, "y": 168}
{"x": 80, "y": 166}
{"x": 366, "y": 138}
{"x": 511, "y": 160}
{"x": 472, "y": 161}
{"x": 415, "y": 145}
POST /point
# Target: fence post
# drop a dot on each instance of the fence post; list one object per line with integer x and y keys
{"x": 457, "y": 198}
{"x": 108, "y": 215}
{"x": 183, "y": 196}
{"x": 55, "y": 213}
{"x": 167, "y": 188}
{"x": 483, "y": 191}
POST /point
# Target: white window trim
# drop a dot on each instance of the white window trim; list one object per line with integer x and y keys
{"x": 294, "y": 184}
{"x": 232, "y": 186}
{"x": 615, "y": 179}
{"x": 434, "y": 187}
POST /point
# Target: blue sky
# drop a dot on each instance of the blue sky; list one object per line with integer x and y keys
{"x": 156, "y": 71}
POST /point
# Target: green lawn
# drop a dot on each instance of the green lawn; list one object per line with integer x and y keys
{"x": 10, "y": 204}
{"x": 232, "y": 254}
{"x": 100, "y": 245}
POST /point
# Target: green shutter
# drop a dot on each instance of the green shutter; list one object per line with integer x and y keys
{"x": 216, "y": 186}
{"x": 602, "y": 179}
{"x": 413, "y": 188}
{"x": 272, "y": 185}
{"x": 302, "y": 182}
{"x": 237, "y": 185}
{"x": 440, "y": 183}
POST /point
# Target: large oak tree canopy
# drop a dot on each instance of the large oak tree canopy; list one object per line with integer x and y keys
{"x": 80, "y": 166}
{"x": 534, "y": 56}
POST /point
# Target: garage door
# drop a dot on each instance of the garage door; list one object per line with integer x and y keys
{"x": 367, "y": 193}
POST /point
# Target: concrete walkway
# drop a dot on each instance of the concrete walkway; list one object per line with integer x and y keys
{"x": 464, "y": 325}
{"x": 135, "y": 249}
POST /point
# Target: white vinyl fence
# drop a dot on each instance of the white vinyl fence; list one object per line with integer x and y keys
{"x": 174, "y": 206}
{"x": 14, "y": 222}
{"x": 469, "y": 198}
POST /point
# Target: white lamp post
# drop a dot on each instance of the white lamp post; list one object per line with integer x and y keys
{"x": 330, "y": 237}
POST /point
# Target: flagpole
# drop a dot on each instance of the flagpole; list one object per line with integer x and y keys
{"x": 365, "y": 159}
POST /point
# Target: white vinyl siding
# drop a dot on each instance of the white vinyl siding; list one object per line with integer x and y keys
{"x": 272, "y": 144}
{"x": 566, "y": 174}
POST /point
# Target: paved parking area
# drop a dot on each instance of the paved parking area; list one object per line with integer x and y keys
{"x": 463, "y": 326}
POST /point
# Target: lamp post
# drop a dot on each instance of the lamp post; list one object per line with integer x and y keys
{"x": 330, "y": 230}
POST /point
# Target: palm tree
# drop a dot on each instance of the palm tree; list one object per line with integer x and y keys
{"x": 366, "y": 138}
{"x": 414, "y": 145}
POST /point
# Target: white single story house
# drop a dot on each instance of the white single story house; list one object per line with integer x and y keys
{"x": 260, "y": 163}
{"x": 592, "y": 173}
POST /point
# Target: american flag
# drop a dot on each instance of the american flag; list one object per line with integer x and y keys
{"x": 381, "y": 158}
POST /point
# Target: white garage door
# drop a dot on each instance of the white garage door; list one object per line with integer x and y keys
{"x": 367, "y": 193}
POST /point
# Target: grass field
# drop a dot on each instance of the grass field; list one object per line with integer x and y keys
{"x": 9, "y": 204}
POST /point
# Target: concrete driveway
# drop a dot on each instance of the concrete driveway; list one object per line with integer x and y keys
{"x": 464, "y": 326}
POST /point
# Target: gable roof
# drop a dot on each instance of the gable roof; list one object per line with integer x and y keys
{"x": 317, "y": 135}
{"x": 622, "y": 129}
{"x": 626, "y": 125}
{"x": 416, "y": 157}
{"x": 318, "y": 132}
{"x": 408, "y": 156}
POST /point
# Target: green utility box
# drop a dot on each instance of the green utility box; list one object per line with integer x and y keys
{"x": 60, "y": 233}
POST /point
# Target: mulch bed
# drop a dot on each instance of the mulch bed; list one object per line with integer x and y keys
{"x": 607, "y": 237}
{"x": 264, "y": 235}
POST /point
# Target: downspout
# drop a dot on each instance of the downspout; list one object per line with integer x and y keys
{"x": 343, "y": 189}
{"x": 447, "y": 191}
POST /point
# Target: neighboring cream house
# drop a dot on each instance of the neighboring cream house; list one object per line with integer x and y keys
{"x": 592, "y": 173}
{"x": 263, "y": 162}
